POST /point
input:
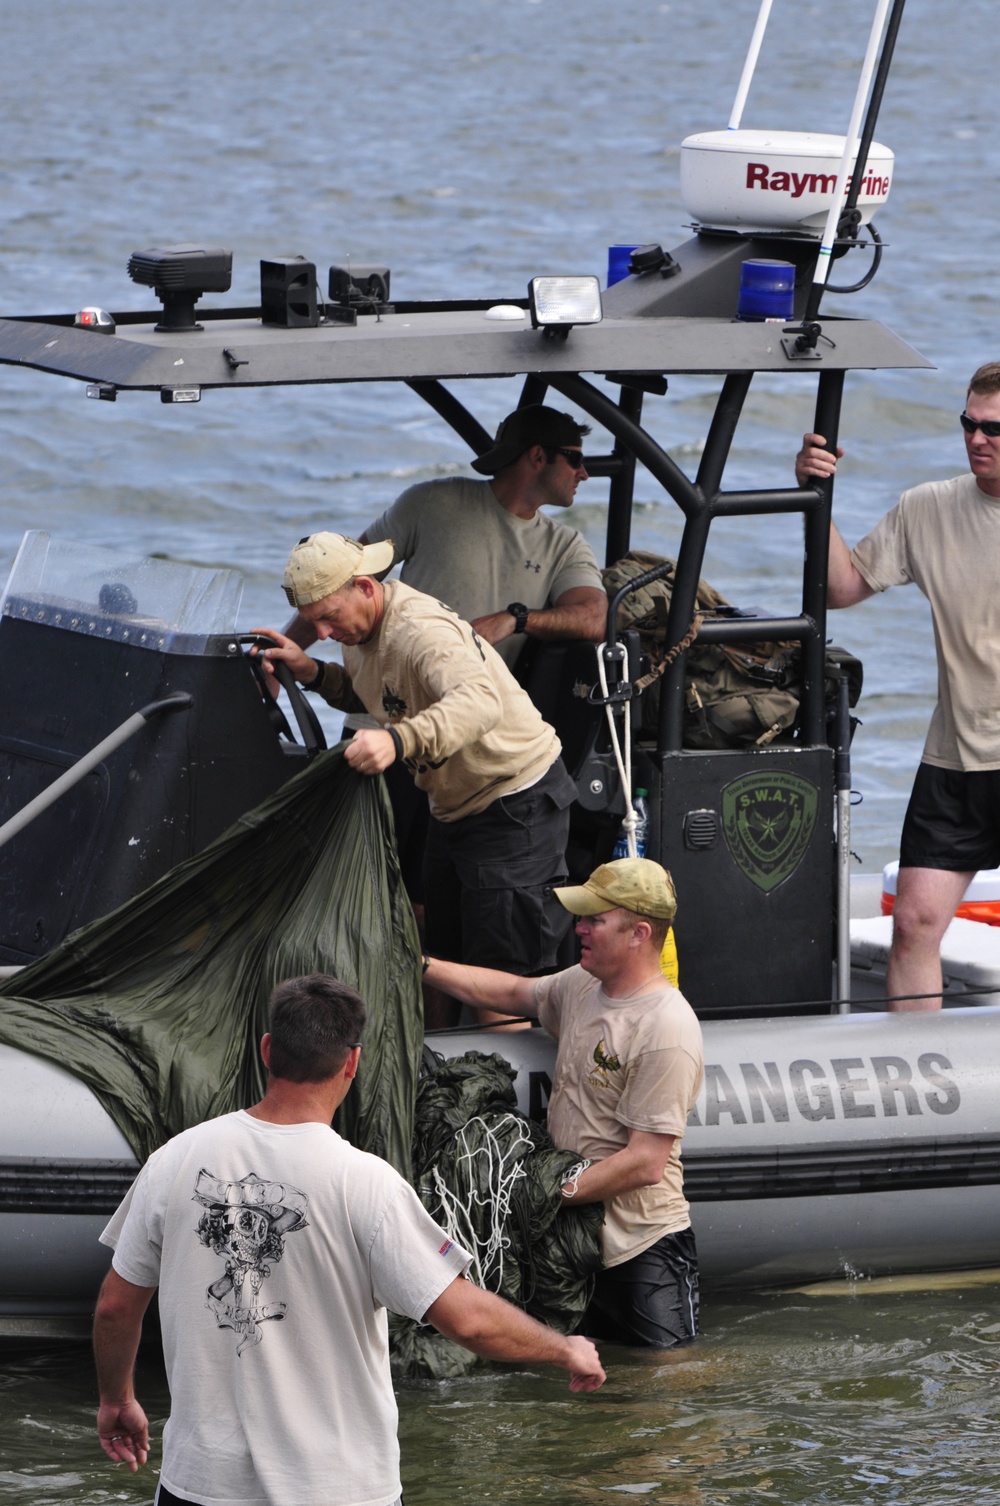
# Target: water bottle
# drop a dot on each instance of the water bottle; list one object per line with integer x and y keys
{"x": 641, "y": 829}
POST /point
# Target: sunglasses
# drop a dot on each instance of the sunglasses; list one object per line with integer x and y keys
{"x": 575, "y": 458}
{"x": 988, "y": 426}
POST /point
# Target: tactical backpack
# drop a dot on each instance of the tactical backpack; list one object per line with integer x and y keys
{"x": 736, "y": 695}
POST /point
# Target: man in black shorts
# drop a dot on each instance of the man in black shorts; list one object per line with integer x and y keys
{"x": 943, "y": 536}
{"x": 628, "y": 1071}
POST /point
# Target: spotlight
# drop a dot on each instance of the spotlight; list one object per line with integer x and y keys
{"x": 179, "y": 275}
{"x": 557, "y": 303}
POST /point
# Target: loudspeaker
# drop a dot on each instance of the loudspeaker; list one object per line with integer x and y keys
{"x": 288, "y": 292}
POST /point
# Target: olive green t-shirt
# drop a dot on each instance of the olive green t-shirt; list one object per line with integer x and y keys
{"x": 944, "y": 537}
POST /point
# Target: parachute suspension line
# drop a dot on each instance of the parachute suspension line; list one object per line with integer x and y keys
{"x": 503, "y": 1171}
{"x": 571, "y": 1181}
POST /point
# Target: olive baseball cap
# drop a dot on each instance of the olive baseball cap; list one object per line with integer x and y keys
{"x": 534, "y": 424}
{"x": 636, "y": 884}
{"x": 323, "y": 562}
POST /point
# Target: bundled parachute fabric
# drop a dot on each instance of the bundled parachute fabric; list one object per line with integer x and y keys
{"x": 160, "y": 1006}
{"x": 737, "y": 695}
{"x": 493, "y": 1180}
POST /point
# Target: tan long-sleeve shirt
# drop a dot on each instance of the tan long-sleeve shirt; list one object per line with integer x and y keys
{"x": 469, "y": 732}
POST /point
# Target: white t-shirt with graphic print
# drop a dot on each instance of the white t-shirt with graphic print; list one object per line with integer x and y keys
{"x": 278, "y": 1250}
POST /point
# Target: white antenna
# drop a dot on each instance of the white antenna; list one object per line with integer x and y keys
{"x": 750, "y": 65}
{"x": 851, "y": 143}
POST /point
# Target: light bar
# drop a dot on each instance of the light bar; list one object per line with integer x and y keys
{"x": 180, "y": 394}
{"x": 557, "y": 303}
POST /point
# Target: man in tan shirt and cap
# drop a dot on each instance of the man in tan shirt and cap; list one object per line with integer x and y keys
{"x": 629, "y": 1067}
{"x": 451, "y": 711}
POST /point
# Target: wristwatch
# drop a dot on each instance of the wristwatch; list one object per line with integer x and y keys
{"x": 519, "y": 612}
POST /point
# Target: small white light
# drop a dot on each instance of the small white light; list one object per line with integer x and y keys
{"x": 180, "y": 394}
{"x": 94, "y": 318}
{"x": 504, "y": 311}
{"x": 104, "y": 392}
{"x": 563, "y": 301}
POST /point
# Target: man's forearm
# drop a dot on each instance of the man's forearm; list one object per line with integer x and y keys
{"x": 334, "y": 685}
{"x": 496, "y": 1330}
{"x": 584, "y": 619}
{"x": 483, "y": 987}
{"x": 117, "y": 1331}
{"x": 640, "y": 1163}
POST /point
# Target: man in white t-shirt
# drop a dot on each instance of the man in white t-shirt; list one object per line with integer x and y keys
{"x": 629, "y": 1067}
{"x": 277, "y": 1250}
{"x": 487, "y": 550}
{"x": 944, "y": 537}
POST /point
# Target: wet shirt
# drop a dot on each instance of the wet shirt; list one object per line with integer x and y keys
{"x": 945, "y": 538}
{"x": 622, "y": 1064}
{"x": 278, "y": 1250}
{"x": 459, "y": 545}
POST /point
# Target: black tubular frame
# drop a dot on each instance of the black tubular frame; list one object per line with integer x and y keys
{"x": 701, "y": 502}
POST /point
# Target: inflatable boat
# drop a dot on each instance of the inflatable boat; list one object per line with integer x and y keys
{"x": 830, "y": 1137}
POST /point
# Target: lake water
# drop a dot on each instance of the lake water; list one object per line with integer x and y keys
{"x": 470, "y": 147}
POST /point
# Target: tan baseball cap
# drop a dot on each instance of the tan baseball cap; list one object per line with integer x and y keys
{"x": 636, "y": 884}
{"x": 323, "y": 562}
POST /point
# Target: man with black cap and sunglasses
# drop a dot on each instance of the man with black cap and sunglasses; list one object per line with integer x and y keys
{"x": 486, "y": 549}
{"x": 943, "y": 536}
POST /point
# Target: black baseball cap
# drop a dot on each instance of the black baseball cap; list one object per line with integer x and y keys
{"x": 533, "y": 424}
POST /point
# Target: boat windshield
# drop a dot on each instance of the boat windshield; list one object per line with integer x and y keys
{"x": 150, "y": 603}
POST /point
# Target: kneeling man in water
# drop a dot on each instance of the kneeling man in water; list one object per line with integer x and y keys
{"x": 629, "y": 1067}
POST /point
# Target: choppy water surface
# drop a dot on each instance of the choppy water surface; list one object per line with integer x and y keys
{"x": 878, "y": 1401}
{"x": 470, "y": 146}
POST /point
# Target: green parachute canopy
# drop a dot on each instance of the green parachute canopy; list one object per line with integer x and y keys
{"x": 159, "y": 1007}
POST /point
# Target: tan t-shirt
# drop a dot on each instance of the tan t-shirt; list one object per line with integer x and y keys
{"x": 469, "y": 732}
{"x": 623, "y": 1064}
{"x": 945, "y": 537}
{"x": 460, "y": 545}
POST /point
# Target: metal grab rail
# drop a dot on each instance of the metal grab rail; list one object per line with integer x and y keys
{"x": 83, "y": 766}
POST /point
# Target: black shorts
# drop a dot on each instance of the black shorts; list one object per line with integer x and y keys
{"x": 650, "y": 1301}
{"x": 411, "y": 817}
{"x": 488, "y": 880}
{"x": 952, "y": 821}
